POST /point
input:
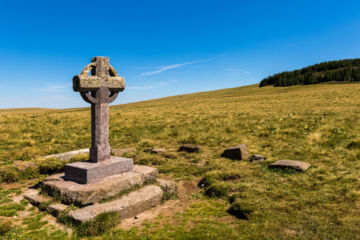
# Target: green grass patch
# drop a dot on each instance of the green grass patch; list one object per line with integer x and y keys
{"x": 279, "y": 123}
{"x": 9, "y": 210}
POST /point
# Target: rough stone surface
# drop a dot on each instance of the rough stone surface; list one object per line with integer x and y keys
{"x": 87, "y": 172}
{"x": 119, "y": 152}
{"x": 85, "y": 194}
{"x": 55, "y": 209}
{"x": 99, "y": 89}
{"x": 239, "y": 152}
{"x": 149, "y": 173}
{"x": 158, "y": 150}
{"x": 128, "y": 206}
{"x": 297, "y": 165}
{"x": 102, "y": 75}
{"x": 33, "y": 197}
{"x": 68, "y": 155}
{"x": 257, "y": 158}
{"x": 169, "y": 188}
{"x": 190, "y": 148}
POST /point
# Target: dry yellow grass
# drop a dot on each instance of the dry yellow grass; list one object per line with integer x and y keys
{"x": 318, "y": 124}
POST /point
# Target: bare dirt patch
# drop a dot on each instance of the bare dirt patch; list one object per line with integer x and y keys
{"x": 169, "y": 208}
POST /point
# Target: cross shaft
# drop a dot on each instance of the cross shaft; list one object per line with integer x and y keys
{"x": 99, "y": 90}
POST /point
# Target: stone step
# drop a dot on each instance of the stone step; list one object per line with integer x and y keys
{"x": 55, "y": 209}
{"x": 86, "y": 194}
{"x": 129, "y": 205}
{"x": 34, "y": 197}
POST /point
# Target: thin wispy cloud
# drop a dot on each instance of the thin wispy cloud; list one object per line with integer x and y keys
{"x": 162, "y": 69}
{"x": 53, "y": 88}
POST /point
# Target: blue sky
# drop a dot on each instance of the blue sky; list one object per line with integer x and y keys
{"x": 164, "y": 48}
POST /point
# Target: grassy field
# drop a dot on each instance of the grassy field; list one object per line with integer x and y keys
{"x": 318, "y": 124}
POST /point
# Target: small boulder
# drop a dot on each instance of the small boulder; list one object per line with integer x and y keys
{"x": 257, "y": 158}
{"x": 190, "y": 148}
{"x": 169, "y": 188}
{"x": 119, "y": 152}
{"x": 297, "y": 165}
{"x": 239, "y": 152}
{"x": 158, "y": 150}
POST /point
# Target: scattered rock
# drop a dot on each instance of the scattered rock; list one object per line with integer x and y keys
{"x": 67, "y": 155}
{"x": 257, "y": 158}
{"x": 119, "y": 152}
{"x": 297, "y": 165}
{"x": 128, "y": 206}
{"x": 158, "y": 150}
{"x": 169, "y": 188}
{"x": 239, "y": 152}
{"x": 190, "y": 148}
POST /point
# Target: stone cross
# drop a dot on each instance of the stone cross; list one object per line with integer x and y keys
{"x": 99, "y": 89}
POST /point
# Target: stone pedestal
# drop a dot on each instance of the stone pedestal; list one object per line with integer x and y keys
{"x": 89, "y": 172}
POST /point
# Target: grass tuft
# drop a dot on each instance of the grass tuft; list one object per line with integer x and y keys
{"x": 99, "y": 225}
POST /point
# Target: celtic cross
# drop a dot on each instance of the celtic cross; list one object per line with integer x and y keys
{"x": 99, "y": 89}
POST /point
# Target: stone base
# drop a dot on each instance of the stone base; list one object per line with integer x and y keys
{"x": 71, "y": 192}
{"x": 128, "y": 206}
{"x": 88, "y": 172}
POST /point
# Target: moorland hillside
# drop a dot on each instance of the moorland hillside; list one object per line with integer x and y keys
{"x": 318, "y": 124}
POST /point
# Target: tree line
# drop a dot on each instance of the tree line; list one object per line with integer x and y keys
{"x": 347, "y": 70}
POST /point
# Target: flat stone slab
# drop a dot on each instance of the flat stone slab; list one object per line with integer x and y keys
{"x": 55, "y": 209}
{"x": 68, "y": 155}
{"x": 36, "y": 199}
{"x": 33, "y": 197}
{"x": 128, "y": 206}
{"x": 239, "y": 152}
{"x": 297, "y": 165}
{"x": 85, "y": 194}
{"x": 89, "y": 172}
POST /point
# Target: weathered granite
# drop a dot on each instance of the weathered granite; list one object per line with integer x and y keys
{"x": 85, "y": 194}
{"x": 297, "y": 165}
{"x": 88, "y": 172}
{"x": 190, "y": 148}
{"x": 169, "y": 188}
{"x": 68, "y": 155}
{"x": 103, "y": 75}
{"x": 239, "y": 152}
{"x": 149, "y": 173}
{"x": 55, "y": 209}
{"x": 128, "y": 206}
{"x": 33, "y": 197}
{"x": 99, "y": 89}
